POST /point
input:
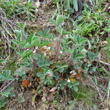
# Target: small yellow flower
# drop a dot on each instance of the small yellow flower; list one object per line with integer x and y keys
{"x": 73, "y": 80}
{"x": 98, "y": 11}
{"x": 72, "y": 76}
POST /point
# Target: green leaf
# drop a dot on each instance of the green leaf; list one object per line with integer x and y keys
{"x": 21, "y": 43}
{"x": 42, "y": 77}
{"x": 108, "y": 40}
{"x": 68, "y": 5}
{"x": 84, "y": 51}
{"x": 95, "y": 78}
{"x": 10, "y": 78}
{"x": 75, "y": 88}
{"x": 60, "y": 19}
{"x": 29, "y": 4}
{"x": 21, "y": 25}
{"x": 75, "y": 53}
{"x": 64, "y": 32}
{"x": 53, "y": 21}
{"x": 78, "y": 95}
{"x": 83, "y": 40}
{"x": 44, "y": 44}
{"x": 64, "y": 66}
{"x": 8, "y": 72}
{"x": 64, "y": 83}
{"x": 46, "y": 31}
{"x": 76, "y": 83}
{"x": 34, "y": 97}
{"x": 62, "y": 87}
{"x": 6, "y": 94}
{"x": 30, "y": 37}
{"x": 26, "y": 53}
{"x": 27, "y": 45}
{"x": 19, "y": 37}
{"x": 2, "y": 102}
{"x": 40, "y": 33}
{"x": 39, "y": 90}
{"x": 12, "y": 94}
{"x": 75, "y": 4}
{"x": 91, "y": 55}
{"x": 20, "y": 72}
{"x": 35, "y": 41}
{"x": 39, "y": 74}
{"x": 2, "y": 77}
{"x": 80, "y": 56}
{"x": 91, "y": 1}
{"x": 17, "y": 31}
{"x": 21, "y": 99}
{"x": 15, "y": 42}
{"x": 2, "y": 60}
{"x": 70, "y": 102}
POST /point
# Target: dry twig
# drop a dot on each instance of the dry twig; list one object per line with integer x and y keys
{"x": 103, "y": 62}
{"x": 96, "y": 88}
{"x": 6, "y": 86}
{"x": 8, "y": 28}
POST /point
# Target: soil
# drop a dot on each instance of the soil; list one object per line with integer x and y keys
{"x": 42, "y": 20}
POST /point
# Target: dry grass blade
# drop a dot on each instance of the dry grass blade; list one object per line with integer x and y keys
{"x": 97, "y": 88}
{"x": 103, "y": 62}
{"x": 7, "y": 30}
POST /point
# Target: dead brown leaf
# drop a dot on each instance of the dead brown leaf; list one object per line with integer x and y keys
{"x": 53, "y": 89}
{"x": 50, "y": 97}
